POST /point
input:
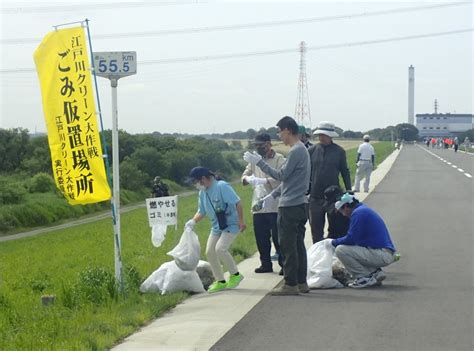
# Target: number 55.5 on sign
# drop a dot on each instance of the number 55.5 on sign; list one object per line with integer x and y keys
{"x": 115, "y": 65}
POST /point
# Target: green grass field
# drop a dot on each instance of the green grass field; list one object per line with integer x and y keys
{"x": 76, "y": 265}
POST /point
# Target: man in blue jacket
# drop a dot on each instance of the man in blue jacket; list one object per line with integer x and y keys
{"x": 367, "y": 245}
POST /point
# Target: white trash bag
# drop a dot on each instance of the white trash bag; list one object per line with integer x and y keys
{"x": 188, "y": 251}
{"x": 320, "y": 259}
{"x": 158, "y": 233}
{"x": 169, "y": 278}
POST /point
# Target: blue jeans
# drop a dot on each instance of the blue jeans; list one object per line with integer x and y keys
{"x": 265, "y": 228}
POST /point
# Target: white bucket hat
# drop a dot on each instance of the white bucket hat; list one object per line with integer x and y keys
{"x": 366, "y": 137}
{"x": 326, "y": 128}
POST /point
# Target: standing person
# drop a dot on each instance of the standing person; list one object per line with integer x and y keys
{"x": 367, "y": 247}
{"x": 304, "y": 136}
{"x": 328, "y": 160}
{"x": 159, "y": 188}
{"x": 292, "y": 206}
{"x": 264, "y": 219}
{"x": 467, "y": 144}
{"x": 365, "y": 164}
{"x": 219, "y": 202}
{"x": 456, "y": 144}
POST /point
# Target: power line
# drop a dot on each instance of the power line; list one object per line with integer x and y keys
{"x": 250, "y": 25}
{"x": 280, "y": 51}
{"x": 309, "y": 48}
{"x": 89, "y": 6}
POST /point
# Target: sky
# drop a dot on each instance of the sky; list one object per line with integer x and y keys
{"x": 357, "y": 87}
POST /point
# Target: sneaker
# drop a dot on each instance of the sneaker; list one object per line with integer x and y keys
{"x": 234, "y": 281}
{"x": 363, "y": 282}
{"x": 303, "y": 288}
{"x": 262, "y": 269}
{"x": 285, "y": 290}
{"x": 216, "y": 286}
{"x": 379, "y": 275}
{"x": 274, "y": 257}
{"x": 396, "y": 257}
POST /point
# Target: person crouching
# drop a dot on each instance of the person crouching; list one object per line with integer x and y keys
{"x": 367, "y": 246}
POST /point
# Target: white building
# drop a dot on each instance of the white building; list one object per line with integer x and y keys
{"x": 443, "y": 124}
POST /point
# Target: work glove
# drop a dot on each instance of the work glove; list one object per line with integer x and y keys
{"x": 255, "y": 180}
{"x": 252, "y": 157}
{"x": 190, "y": 224}
{"x": 268, "y": 201}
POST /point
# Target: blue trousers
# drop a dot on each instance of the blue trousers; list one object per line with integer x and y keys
{"x": 266, "y": 228}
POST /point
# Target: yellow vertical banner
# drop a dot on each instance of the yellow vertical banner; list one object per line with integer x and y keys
{"x": 63, "y": 68}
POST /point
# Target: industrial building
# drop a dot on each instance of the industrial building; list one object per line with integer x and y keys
{"x": 443, "y": 124}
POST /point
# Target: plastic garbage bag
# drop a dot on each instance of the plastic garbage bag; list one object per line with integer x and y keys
{"x": 204, "y": 271}
{"x": 188, "y": 251}
{"x": 320, "y": 259}
{"x": 158, "y": 233}
{"x": 169, "y": 278}
{"x": 259, "y": 193}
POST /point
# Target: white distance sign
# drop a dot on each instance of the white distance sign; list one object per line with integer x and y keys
{"x": 115, "y": 64}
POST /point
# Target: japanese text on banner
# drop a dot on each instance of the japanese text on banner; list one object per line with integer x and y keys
{"x": 162, "y": 210}
{"x": 62, "y": 63}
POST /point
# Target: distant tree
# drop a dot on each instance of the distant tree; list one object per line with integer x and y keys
{"x": 13, "y": 148}
{"x": 407, "y": 131}
{"x": 131, "y": 177}
{"x": 251, "y": 133}
{"x": 352, "y": 135}
{"x": 468, "y": 133}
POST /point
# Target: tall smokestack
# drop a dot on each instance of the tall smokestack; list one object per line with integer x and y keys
{"x": 411, "y": 95}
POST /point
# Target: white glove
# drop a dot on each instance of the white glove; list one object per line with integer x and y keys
{"x": 268, "y": 201}
{"x": 190, "y": 224}
{"x": 256, "y": 181}
{"x": 252, "y": 157}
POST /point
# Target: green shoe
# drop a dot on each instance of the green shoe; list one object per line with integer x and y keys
{"x": 396, "y": 257}
{"x": 216, "y": 286}
{"x": 234, "y": 281}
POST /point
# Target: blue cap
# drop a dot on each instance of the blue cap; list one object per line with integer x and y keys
{"x": 199, "y": 172}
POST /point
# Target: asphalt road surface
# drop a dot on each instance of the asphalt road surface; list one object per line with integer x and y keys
{"x": 426, "y": 302}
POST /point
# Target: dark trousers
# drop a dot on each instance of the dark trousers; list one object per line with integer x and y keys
{"x": 317, "y": 218}
{"x": 265, "y": 228}
{"x": 291, "y": 231}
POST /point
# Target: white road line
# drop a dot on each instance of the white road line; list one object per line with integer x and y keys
{"x": 449, "y": 163}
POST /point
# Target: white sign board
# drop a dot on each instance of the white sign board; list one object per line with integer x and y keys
{"x": 162, "y": 210}
{"x": 115, "y": 64}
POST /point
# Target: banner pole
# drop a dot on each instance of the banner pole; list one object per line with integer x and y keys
{"x": 115, "y": 200}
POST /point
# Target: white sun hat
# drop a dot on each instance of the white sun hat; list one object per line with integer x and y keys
{"x": 326, "y": 128}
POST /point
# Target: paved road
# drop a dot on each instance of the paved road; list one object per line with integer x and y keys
{"x": 426, "y": 303}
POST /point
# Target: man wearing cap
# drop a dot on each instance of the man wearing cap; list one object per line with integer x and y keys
{"x": 328, "y": 160}
{"x": 292, "y": 206}
{"x": 264, "y": 219}
{"x": 366, "y": 247}
{"x": 365, "y": 164}
{"x": 304, "y": 135}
